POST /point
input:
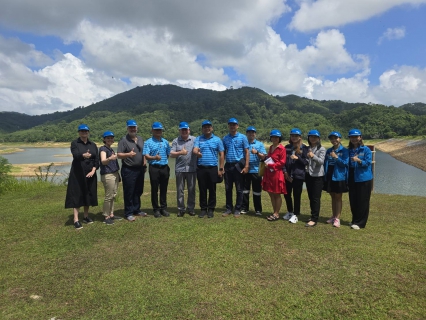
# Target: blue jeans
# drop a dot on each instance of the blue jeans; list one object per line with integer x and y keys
{"x": 133, "y": 183}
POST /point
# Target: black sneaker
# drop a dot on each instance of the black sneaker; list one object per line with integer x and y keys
{"x": 108, "y": 221}
{"x": 87, "y": 220}
{"x": 244, "y": 211}
{"x": 191, "y": 213}
{"x": 202, "y": 214}
{"x": 164, "y": 213}
{"x": 78, "y": 225}
{"x": 157, "y": 214}
{"x": 116, "y": 218}
{"x": 210, "y": 213}
{"x": 181, "y": 213}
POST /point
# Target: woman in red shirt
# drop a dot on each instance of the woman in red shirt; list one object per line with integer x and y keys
{"x": 273, "y": 179}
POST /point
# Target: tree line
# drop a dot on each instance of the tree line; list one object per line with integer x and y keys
{"x": 171, "y": 104}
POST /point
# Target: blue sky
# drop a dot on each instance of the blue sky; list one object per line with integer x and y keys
{"x": 57, "y": 56}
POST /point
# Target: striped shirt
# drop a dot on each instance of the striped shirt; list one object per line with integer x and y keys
{"x": 209, "y": 148}
{"x": 254, "y": 159}
{"x": 152, "y": 147}
{"x": 234, "y": 147}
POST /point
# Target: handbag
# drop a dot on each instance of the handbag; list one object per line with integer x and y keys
{"x": 262, "y": 167}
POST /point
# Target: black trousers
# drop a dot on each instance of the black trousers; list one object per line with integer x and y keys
{"x": 159, "y": 178}
{"x": 207, "y": 178}
{"x": 232, "y": 176}
{"x": 314, "y": 187}
{"x": 133, "y": 183}
{"x": 254, "y": 181}
{"x": 359, "y": 200}
{"x": 295, "y": 187}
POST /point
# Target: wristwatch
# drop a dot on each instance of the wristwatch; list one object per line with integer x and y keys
{"x": 220, "y": 169}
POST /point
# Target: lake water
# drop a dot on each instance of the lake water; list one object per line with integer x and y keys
{"x": 391, "y": 176}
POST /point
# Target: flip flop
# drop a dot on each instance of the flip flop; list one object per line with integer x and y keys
{"x": 273, "y": 217}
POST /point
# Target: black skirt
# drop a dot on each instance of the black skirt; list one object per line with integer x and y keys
{"x": 334, "y": 186}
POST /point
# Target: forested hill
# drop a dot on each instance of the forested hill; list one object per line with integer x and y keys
{"x": 251, "y": 106}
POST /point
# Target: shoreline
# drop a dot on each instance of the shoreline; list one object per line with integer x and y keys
{"x": 410, "y": 152}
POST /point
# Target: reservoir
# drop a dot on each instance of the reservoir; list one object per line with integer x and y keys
{"x": 391, "y": 176}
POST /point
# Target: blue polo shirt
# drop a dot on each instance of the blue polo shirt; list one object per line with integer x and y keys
{"x": 234, "y": 147}
{"x": 209, "y": 148}
{"x": 254, "y": 159}
{"x": 152, "y": 147}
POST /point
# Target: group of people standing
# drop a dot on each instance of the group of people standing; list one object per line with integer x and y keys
{"x": 240, "y": 160}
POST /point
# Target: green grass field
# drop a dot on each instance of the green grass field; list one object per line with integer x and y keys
{"x": 221, "y": 268}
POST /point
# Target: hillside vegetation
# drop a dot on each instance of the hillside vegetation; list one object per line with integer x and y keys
{"x": 171, "y": 104}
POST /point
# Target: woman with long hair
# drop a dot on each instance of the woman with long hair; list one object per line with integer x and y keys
{"x": 294, "y": 173}
{"x": 336, "y": 175}
{"x": 82, "y": 182}
{"x": 360, "y": 179}
{"x": 273, "y": 178}
{"x": 314, "y": 178}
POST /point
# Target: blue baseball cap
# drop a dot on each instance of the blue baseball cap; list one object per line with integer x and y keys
{"x": 251, "y": 128}
{"x": 108, "y": 134}
{"x": 335, "y": 134}
{"x": 206, "y": 123}
{"x": 131, "y": 123}
{"x": 233, "y": 120}
{"x": 83, "y": 127}
{"x": 314, "y": 133}
{"x": 296, "y": 131}
{"x": 183, "y": 125}
{"x": 354, "y": 132}
{"x": 157, "y": 125}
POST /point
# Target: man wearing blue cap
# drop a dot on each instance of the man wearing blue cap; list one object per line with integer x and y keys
{"x": 252, "y": 178}
{"x": 185, "y": 168}
{"x": 207, "y": 147}
{"x": 156, "y": 151}
{"x": 237, "y": 164}
{"x": 132, "y": 170}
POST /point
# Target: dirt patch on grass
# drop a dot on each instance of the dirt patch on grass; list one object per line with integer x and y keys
{"x": 408, "y": 151}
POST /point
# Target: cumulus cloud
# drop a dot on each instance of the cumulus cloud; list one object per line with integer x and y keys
{"x": 392, "y": 34}
{"x": 68, "y": 84}
{"x": 192, "y": 44}
{"x": 334, "y": 13}
{"x": 397, "y": 86}
{"x": 288, "y": 67}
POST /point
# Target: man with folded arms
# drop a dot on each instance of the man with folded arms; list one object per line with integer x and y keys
{"x": 132, "y": 170}
{"x": 156, "y": 150}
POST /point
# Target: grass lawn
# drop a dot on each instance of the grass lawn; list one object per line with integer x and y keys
{"x": 221, "y": 268}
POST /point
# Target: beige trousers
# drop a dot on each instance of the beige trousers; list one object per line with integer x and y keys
{"x": 110, "y": 182}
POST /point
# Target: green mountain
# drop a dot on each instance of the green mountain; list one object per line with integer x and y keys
{"x": 251, "y": 106}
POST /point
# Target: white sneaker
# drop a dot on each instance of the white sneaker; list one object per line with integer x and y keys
{"x": 331, "y": 220}
{"x": 336, "y": 223}
{"x": 355, "y": 227}
{"x": 288, "y": 215}
{"x": 258, "y": 213}
{"x": 293, "y": 219}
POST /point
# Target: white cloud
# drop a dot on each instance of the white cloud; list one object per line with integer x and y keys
{"x": 131, "y": 52}
{"x": 392, "y": 34}
{"x": 334, "y": 13}
{"x": 68, "y": 84}
{"x": 280, "y": 68}
{"x": 397, "y": 86}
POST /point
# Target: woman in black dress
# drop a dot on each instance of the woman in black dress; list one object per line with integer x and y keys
{"x": 82, "y": 182}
